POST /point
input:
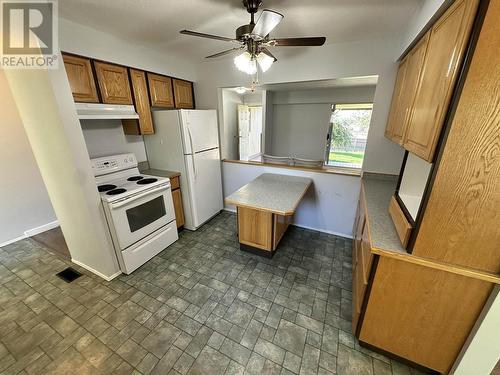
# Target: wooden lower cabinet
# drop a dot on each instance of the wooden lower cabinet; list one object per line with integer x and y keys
{"x": 261, "y": 229}
{"x": 177, "y": 198}
{"x": 421, "y": 314}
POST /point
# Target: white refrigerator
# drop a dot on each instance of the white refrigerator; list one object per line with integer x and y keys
{"x": 187, "y": 141}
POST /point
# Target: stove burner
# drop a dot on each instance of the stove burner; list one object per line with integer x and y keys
{"x": 135, "y": 178}
{"x": 103, "y": 188}
{"x": 147, "y": 181}
{"x": 116, "y": 191}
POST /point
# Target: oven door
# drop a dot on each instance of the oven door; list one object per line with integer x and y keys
{"x": 138, "y": 216}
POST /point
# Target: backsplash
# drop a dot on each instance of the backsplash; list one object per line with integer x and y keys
{"x": 106, "y": 137}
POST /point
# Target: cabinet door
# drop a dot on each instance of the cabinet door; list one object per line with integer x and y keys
{"x": 160, "y": 90}
{"x": 396, "y": 120}
{"x": 412, "y": 77}
{"x": 179, "y": 212}
{"x": 113, "y": 83}
{"x": 141, "y": 100}
{"x": 183, "y": 94}
{"x": 447, "y": 43}
{"x": 81, "y": 79}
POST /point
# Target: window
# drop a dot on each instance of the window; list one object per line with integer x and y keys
{"x": 346, "y": 140}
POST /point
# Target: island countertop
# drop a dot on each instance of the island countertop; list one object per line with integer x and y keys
{"x": 270, "y": 192}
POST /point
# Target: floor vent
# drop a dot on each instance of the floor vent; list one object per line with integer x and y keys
{"x": 69, "y": 274}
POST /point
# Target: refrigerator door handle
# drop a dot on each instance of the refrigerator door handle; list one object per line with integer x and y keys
{"x": 192, "y": 150}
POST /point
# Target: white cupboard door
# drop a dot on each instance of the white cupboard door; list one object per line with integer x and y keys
{"x": 200, "y": 130}
{"x": 205, "y": 185}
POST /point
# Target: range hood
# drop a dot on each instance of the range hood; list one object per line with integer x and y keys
{"x": 90, "y": 111}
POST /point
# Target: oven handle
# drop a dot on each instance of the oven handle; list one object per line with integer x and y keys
{"x": 138, "y": 196}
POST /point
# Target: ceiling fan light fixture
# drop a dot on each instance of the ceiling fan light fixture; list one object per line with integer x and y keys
{"x": 265, "y": 61}
{"x": 245, "y": 62}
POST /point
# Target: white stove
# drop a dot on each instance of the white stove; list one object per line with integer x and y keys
{"x": 139, "y": 209}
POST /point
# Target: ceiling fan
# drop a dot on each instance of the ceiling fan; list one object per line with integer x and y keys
{"x": 254, "y": 40}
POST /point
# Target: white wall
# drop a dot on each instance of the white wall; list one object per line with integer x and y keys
{"x": 47, "y": 111}
{"x": 24, "y": 202}
{"x": 328, "y": 206}
{"x": 482, "y": 350}
{"x": 82, "y": 40}
{"x": 341, "y": 60}
{"x": 228, "y": 127}
{"x": 106, "y": 137}
{"x": 422, "y": 17}
{"x": 338, "y": 95}
{"x": 300, "y": 130}
{"x": 253, "y": 98}
{"x": 301, "y": 118}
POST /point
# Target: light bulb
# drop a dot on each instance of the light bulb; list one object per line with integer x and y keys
{"x": 240, "y": 90}
{"x": 246, "y": 63}
{"x": 265, "y": 61}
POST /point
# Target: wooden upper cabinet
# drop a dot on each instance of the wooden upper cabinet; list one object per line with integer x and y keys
{"x": 404, "y": 92}
{"x": 144, "y": 125}
{"x": 446, "y": 48}
{"x": 396, "y": 120}
{"x": 183, "y": 94}
{"x": 81, "y": 78}
{"x": 160, "y": 90}
{"x": 113, "y": 83}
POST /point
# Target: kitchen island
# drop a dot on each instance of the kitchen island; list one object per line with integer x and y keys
{"x": 265, "y": 208}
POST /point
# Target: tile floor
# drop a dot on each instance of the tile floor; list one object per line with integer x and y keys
{"x": 201, "y": 307}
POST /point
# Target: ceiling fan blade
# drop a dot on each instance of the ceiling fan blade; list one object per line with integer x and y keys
{"x": 223, "y": 53}
{"x": 209, "y": 36}
{"x": 267, "y": 52}
{"x": 267, "y": 21}
{"x": 290, "y": 42}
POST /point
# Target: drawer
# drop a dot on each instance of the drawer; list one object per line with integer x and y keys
{"x": 174, "y": 182}
{"x": 403, "y": 227}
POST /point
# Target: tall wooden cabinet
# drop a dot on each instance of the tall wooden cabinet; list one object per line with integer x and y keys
{"x": 426, "y": 81}
{"x": 144, "y": 125}
{"x": 422, "y": 306}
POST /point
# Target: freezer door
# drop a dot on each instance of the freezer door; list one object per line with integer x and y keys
{"x": 199, "y": 130}
{"x": 204, "y": 187}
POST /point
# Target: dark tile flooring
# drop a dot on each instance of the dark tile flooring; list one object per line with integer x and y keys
{"x": 200, "y": 307}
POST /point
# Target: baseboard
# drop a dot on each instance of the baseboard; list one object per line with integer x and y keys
{"x": 12, "y": 241}
{"x": 107, "y": 278}
{"x": 324, "y": 231}
{"x": 41, "y": 229}
{"x": 32, "y": 232}
{"x": 233, "y": 210}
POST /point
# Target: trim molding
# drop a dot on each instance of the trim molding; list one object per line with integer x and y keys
{"x": 41, "y": 228}
{"x": 107, "y": 278}
{"x": 12, "y": 241}
{"x": 305, "y": 227}
{"x": 31, "y": 232}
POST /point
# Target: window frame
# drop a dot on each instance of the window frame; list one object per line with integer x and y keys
{"x": 346, "y": 106}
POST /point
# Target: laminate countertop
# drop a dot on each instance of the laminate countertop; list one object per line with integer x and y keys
{"x": 161, "y": 173}
{"x": 270, "y": 192}
{"x": 378, "y": 193}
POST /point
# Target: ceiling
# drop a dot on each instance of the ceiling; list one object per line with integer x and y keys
{"x": 157, "y": 23}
